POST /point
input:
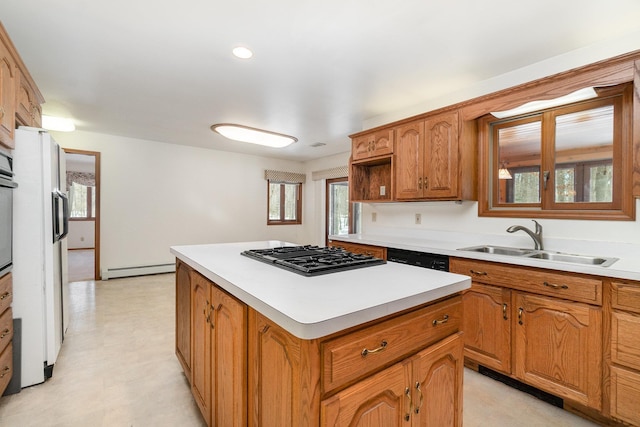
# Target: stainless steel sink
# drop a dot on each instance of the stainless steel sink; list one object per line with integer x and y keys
{"x": 543, "y": 255}
{"x": 498, "y": 250}
{"x": 576, "y": 259}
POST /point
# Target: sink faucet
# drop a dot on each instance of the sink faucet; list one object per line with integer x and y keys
{"x": 537, "y": 236}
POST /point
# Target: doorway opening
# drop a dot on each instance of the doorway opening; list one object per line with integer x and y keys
{"x": 83, "y": 188}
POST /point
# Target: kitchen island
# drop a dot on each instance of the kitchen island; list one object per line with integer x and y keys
{"x": 265, "y": 346}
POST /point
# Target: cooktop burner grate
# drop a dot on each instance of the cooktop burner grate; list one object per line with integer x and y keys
{"x": 312, "y": 260}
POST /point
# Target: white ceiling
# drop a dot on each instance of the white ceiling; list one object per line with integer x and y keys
{"x": 162, "y": 70}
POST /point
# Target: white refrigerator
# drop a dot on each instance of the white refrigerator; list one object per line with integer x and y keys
{"x": 41, "y": 223}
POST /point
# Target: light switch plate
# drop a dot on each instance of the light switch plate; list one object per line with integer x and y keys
{"x": 383, "y": 190}
{"x": 418, "y": 218}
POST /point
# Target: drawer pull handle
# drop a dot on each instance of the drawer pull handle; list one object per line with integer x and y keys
{"x": 520, "y": 310}
{"x": 5, "y": 371}
{"x": 5, "y": 295}
{"x": 478, "y": 273}
{"x": 504, "y": 311}
{"x": 366, "y": 351}
{"x": 554, "y": 286}
{"x": 5, "y": 333}
{"x": 444, "y": 319}
{"x": 417, "y": 411}
{"x": 407, "y": 392}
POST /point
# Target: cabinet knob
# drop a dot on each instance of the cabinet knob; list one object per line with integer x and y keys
{"x": 5, "y": 333}
{"x": 407, "y": 392}
{"x": 520, "y": 310}
{"x": 5, "y": 371}
{"x": 420, "y": 183}
{"x": 5, "y": 295}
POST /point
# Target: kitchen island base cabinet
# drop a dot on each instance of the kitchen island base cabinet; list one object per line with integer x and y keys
{"x": 424, "y": 390}
{"x": 218, "y": 349}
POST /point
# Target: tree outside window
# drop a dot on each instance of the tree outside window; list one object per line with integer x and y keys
{"x": 82, "y": 201}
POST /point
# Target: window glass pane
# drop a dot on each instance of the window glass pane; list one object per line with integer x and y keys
{"x": 526, "y": 187}
{"x": 93, "y": 202}
{"x": 585, "y": 138}
{"x": 78, "y": 196}
{"x": 274, "y": 201}
{"x": 519, "y": 158}
{"x": 290, "y": 199}
{"x": 565, "y": 184}
{"x": 339, "y": 208}
{"x": 601, "y": 183}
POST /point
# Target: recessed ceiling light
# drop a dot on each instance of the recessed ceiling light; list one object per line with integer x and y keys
{"x": 242, "y": 52}
{"x": 58, "y": 124}
{"x": 253, "y": 135}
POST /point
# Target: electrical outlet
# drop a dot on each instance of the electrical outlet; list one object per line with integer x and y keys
{"x": 383, "y": 190}
{"x": 418, "y": 218}
{"x": 374, "y": 216}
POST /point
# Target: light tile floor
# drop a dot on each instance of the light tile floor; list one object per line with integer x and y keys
{"x": 117, "y": 367}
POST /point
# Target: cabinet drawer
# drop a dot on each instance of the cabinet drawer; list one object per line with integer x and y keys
{"x": 625, "y": 339}
{"x": 570, "y": 286}
{"x": 6, "y": 292}
{"x": 6, "y": 329}
{"x": 355, "y": 355}
{"x": 625, "y": 395}
{"x": 6, "y": 367}
{"x": 625, "y": 296}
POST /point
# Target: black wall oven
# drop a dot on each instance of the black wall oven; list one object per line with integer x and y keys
{"x": 6, "y": 212}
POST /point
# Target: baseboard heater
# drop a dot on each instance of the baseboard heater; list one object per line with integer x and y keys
{"x": 143, "y": 270}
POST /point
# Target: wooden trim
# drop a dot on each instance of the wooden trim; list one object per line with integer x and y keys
{"x": 635, "y": 186}
{"x": 97, "y": 169}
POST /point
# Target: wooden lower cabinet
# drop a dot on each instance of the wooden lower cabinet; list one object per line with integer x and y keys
{"x": 358, "y": 248}
{"x": 487, "y": 326}
{"x": 248, "y": 371}
{"x": 183, "y": 317}
{"x": 201, "y": 344}
{"x": 550, "y": 343}
{"x": 219, "y": 354}
{"x": 558, "y": 347}
{"x": 625, "y": 352}
{"x": 424, "y": 390}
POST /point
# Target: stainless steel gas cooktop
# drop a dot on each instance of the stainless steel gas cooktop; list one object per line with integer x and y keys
{"x": 312, "y": 260}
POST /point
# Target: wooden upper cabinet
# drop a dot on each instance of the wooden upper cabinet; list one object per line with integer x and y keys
{"x": 428, "y": 158}
{"x": 7, "y": 95}
{"x": 409, "y": 166}
{"x": 28, "y": 110}
{"x": 378, "y": 143}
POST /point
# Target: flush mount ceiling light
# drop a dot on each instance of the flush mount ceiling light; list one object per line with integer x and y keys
{"x": 58, "y": 124}
{"x": 253, "y": 135}
{"x": 579, "y": 95}
{"x": 242, "y": 52}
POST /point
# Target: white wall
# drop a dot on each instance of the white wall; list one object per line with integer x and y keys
{"x": 81, "y": 234}
{"x": 156, "y": 195}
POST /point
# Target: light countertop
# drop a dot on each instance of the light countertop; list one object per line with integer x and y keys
{"x": 313, "y": 307}
{"x": 448, "y": 243}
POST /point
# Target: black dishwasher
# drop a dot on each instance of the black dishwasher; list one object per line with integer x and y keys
{"x": 420, "y": 259}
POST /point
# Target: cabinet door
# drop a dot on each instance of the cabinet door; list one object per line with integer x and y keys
{"x": 229, "y": 360}
{"x": 7, "y": 96}
{"x": 487, "y": 326}
{"x": 200, "y": 344}
{"x": 409, "y": 161}
{"x": 284, "y": 376}
{"x": 183, "y": 317}
{"x": 374, "y": 144}
{"x": 558, "y": 347}
{"x": 25, "y": 102}
{"x": 437, "y": 384}
{"x": 382, "y": 400}
{"x": 440, "y": 178}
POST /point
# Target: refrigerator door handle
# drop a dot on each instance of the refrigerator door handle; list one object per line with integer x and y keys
{"x": 57, "y": 234}
{"x": 65, "y": 215}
